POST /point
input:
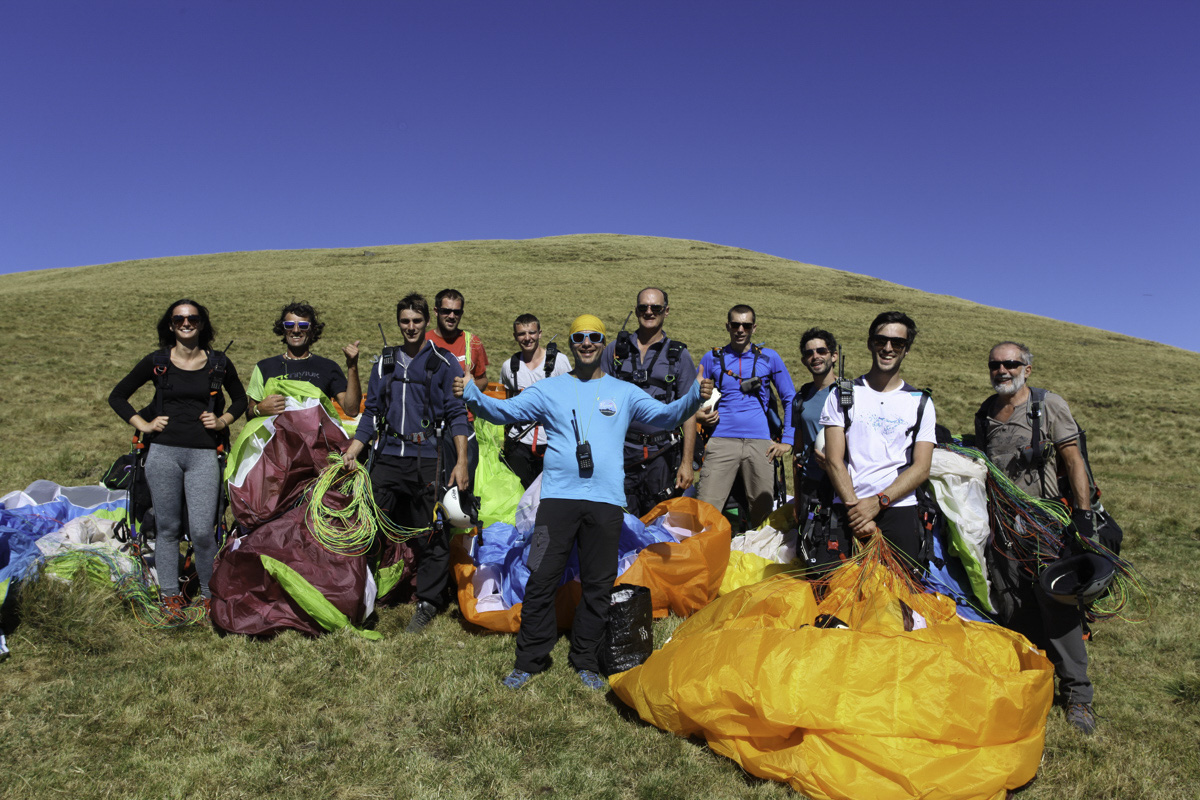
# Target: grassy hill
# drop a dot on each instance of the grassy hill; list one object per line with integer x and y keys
{"x": 340, "y": 718}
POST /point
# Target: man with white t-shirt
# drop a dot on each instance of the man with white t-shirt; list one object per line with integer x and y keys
{"x": 879, "y": 447}
{"x": 525, "y": 444}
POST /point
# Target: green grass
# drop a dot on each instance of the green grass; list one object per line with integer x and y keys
{"x": 92, "y": 705}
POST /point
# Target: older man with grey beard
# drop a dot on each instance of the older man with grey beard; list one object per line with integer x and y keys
{"x": 1005, "y": 427}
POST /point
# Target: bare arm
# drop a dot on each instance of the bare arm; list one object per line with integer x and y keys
{"x": 686, "y": 474}
{"x": 835, "y": 464}
{"x": 458, "y": 475}
{"x": 1072, "y": 460}
{"x": 349, "y": 400}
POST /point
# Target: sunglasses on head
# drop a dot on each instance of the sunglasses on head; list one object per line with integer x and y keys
{"x": 816, "y": 351}
{"x": 653, "y": 308}
{"x": 995, "y": 365}
{"x": 449, "y": 312}
{"x": 302, "y": 325}
{"x": 179, "y": 319}
{"x": 897, "y": 342}
{"x": 580, "y": 337}
{"x": 743, "y": 325}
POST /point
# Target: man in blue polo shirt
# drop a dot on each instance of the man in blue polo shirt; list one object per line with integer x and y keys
{"x": 586, "y": 414}
{"x": 742, "y": 439}
{"x": 658, "y": 462}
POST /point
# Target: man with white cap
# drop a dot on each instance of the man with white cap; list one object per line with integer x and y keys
{"x": 586, "y": 414}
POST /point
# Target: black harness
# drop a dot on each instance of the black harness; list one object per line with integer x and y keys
{"x": 643, "y": 378}
{"x": 387, "y": 370}
{"x": 514, "y": 363}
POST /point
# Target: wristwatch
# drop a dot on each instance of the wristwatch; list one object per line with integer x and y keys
{"x": 884, "y": 500}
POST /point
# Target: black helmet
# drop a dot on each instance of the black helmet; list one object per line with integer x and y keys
{"x": 1078, "y": 580}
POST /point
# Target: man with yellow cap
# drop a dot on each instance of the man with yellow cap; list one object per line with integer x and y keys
{"x": 586, "y": 414}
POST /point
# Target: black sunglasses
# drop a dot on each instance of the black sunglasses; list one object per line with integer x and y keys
{"x": 995, "y": 365}
{"x": 301, "y": 325}
{"x": 449, "y": 312}
{"x": 897, "y": 342}
{"x": 179, "y": 319}
{"x": 743, "y": 325}
{"x": 816, "y": 351}
{"x": 595, "y": 337}
{"x": 653, "y": 308}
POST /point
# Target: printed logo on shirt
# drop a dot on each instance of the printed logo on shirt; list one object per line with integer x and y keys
{"x": 608, "y": 407}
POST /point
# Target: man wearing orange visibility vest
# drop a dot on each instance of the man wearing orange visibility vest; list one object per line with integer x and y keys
{"x": 468, "y": 349}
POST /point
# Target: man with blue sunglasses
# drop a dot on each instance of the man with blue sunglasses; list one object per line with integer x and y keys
{"x": 299, "y": 329}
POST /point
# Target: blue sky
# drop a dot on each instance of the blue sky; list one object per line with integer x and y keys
{"x": 1038, "y": 156}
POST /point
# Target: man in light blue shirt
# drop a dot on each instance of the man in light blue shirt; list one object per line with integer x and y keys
{"x": 586, "y": 415}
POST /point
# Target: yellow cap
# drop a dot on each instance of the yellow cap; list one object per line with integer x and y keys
{"x": 588, "y": 322}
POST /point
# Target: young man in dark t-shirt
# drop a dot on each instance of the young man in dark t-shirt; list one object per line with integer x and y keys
{"x": 299, "y": 330}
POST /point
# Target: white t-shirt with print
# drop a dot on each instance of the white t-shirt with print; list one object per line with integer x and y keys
{"x": 878, "y": 443}
{"x": 526, "y": 377}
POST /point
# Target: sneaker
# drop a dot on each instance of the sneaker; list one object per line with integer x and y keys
{"x": 423, "y": 616}
{"x": 1081, "y": 716}
{"x": 591, "y": 679}
{"x": 516, "y": 679}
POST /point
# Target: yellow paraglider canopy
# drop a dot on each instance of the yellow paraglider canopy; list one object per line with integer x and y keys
{"x": 906, "y": 700}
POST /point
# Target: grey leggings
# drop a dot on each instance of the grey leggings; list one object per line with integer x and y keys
{"x": 174, "y": 473}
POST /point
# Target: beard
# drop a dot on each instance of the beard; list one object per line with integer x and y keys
{"x": 1010, "y": 387}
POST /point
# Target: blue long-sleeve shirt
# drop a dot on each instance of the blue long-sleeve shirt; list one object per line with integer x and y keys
{"x": 418, "y": 401}
{"x": 744, "y": 416}
{"x": 603, "y": 408}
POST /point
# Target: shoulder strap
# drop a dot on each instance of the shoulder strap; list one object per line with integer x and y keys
{"x": 916, "y": 426}
{"x": 718, "y": 354}
{"x": 981, "y": 426}
{"x": 1037, "y": 402}
{"x": 387, "y": 370}
{"x": 674, "y": 351}
{"x": 467, "y": 351}
{"x": 550, "y": 361}
{"x": 514, "y": 364}
{"x": 845, "y": 389}
{"x": 218, "y": 363}
{"x": 162, "y": 360}
{"x": 623, "y": 346}
{"x": 435, "y": 360}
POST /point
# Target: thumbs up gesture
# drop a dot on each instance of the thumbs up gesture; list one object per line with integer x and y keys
{"x": 706, "y": 385}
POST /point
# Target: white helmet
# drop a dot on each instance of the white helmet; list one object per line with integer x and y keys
{"x": 455, "y": 515}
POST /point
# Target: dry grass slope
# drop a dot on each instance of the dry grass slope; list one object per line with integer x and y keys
{"x": 93, "y": 706}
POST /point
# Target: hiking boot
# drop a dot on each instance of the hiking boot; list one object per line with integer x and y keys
{"x": 424, "y": 615}
{"x": 1081, "y": 716}
{"x": 516, "y": 679}
{"x": 591, "y": 680}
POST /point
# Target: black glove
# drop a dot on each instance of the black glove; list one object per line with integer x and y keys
{"x": 1084, "y": 522}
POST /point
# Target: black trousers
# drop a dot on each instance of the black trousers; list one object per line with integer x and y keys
{"x": 648, "y": 480}
{"x": 900, "y": 526}
{"x": 560, "y": 525}
{"x": 405, "y": 489}
{"x": 524, "y": 463}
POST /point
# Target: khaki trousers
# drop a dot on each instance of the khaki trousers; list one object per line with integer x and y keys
{"x": 723, "y": 459}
